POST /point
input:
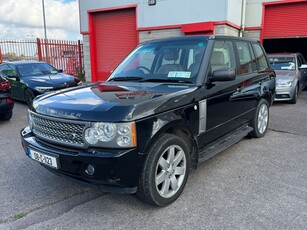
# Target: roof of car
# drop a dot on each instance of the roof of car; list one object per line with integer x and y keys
{"x": 282, "y": 54}
{"x": 198, "y": 37}
{"x": 22, "y": 62}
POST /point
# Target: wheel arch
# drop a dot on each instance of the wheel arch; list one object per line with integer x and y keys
{"x": 180, "y": 129}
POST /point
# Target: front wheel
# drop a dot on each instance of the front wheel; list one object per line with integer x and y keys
{"x": 260, "y": 122}
{"x": 295, "y": 95}
{"x": 165, "y": 171}
{"x": 29, "y": 96}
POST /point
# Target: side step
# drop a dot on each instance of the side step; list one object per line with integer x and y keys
{"x": 224, "y": 143}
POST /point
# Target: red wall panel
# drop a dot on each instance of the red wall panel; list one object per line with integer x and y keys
{"x": 115, "y": 36}
{"x": 285, "y": 20}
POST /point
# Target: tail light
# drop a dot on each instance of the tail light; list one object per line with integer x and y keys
{"x": 5, "y": 84}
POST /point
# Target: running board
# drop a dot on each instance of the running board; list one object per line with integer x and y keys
{"x": 224, "y": 143}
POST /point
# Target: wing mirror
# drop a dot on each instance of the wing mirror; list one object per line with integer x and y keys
{"x": 226, "y": 74}
{"x": 304, "y": 66}
{"x": 13, "y": 77}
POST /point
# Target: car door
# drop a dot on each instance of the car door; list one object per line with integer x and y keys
{"x": 224, "y": 106}
{"x": 302, "y": 71}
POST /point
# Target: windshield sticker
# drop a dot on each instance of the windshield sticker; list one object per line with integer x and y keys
{"x": 179, "y": 74}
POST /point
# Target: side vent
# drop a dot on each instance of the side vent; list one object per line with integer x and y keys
{"x": 202, "y": 116}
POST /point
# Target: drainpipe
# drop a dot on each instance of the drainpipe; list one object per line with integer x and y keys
{"x": 243, "y": 14}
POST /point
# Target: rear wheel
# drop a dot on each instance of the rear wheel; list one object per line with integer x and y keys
{"x": 29, "y": 96}
{"x": 165, "y": 171}
{"x": 260, "y": 122}
{"x": 295, "y": 95}
{"x": 6, "y": 116}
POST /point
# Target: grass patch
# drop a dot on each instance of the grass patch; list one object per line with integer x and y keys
{"x": 20, "y": 215}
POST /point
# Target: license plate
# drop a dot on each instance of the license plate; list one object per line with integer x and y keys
{"x": 43, "y": 158}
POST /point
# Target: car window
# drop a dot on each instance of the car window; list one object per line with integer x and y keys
{"x": 165, "y": 61}
{"x": 282, "y": 62}
{"x": 35, "y": 69}
{"x": 247, "y": 60}
{"x": 260, "y": 56}
{"x": 222, "y": 55}
{"x": 8, "y": 70}
{"x": 299, "y": 61}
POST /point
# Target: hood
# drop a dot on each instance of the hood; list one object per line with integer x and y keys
{"x": 285, "y": 75}
{"x": 114, "y": 101}
{"x": 48, "y": 80}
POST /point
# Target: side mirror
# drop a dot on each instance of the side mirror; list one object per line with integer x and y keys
{"x": 13, "y": 77}
{"x": 226, "y": 74}
{"x": 304, "y": 66}
{"x": 60, "y": 70}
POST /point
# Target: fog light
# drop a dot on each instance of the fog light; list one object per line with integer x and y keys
{"x": 90, "y": 170}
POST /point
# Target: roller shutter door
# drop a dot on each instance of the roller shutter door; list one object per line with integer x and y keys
{"x": 115, "y": 36}
{"x": 286, "y": 20}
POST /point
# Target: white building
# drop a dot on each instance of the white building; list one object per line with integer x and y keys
{"x": 111, "y": 29}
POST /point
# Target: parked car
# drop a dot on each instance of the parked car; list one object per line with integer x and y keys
{"x": 168, "y": 106}
{"x": 6, "y": 102}
{"x": 291, "y": 75}
{"x": 29, "y": 79}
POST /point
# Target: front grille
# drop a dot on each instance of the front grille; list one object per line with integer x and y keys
{"x": 58, "y": 130}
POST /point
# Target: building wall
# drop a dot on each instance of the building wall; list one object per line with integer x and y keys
{"x": 168, "y": 12}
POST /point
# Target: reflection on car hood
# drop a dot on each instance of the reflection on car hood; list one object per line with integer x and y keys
{"x": 48, "y": 80}
{"x": 285, "y": 75}
{"x": 114, "y": 101}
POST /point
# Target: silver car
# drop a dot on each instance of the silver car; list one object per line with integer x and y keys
{"x": 291, "y": 75}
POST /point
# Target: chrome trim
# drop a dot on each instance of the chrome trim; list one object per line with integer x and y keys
{"x": 60, "y": 131}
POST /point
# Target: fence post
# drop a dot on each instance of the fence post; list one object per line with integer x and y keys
{"x": 0, "y": 55}
{"x": 80, "y": 57}
{"x": 39, "y": 49}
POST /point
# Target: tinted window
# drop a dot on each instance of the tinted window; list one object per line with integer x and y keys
{"x": 7, "y": 70}
{"x": 263, "y": 64}
{"x": 247, "y": 60}
{"x": 222, "y": 55}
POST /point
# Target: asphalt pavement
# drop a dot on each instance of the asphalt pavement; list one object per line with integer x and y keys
{"x": 255, "y": 184}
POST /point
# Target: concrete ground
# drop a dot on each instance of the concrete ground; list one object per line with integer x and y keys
{"x": 255, "y": 184}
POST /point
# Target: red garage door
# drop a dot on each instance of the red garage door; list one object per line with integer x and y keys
{"x": 285, "y": 20}
{"x": 114, "y": 36}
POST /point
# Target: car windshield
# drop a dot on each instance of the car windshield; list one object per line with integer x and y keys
{"x": 172, "y": 61}
{"x": 33, "y": 69}
{"x": 282, "y": 63}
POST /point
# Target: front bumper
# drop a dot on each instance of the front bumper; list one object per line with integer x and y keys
{"x": 284, "y": 94}
{"x": 115, "y": 170}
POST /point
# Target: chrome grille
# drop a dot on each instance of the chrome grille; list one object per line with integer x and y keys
{"x": 58, "y": 130}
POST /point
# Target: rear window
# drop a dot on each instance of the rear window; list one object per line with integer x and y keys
{"x": 260, "y": 56}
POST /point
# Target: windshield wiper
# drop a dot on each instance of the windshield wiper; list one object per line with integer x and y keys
{"x": 166, "y": 80}
{"x": 126, "y": 79}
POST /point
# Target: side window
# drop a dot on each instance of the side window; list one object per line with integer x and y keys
{"x": 247, "y": 60}
{"x": 260, "y": 56}
{"x": 222, "y": 55}
{"x": 6, "y": 70}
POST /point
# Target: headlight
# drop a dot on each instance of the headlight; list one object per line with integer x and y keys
{"x": 284, "y": 84}
{"x": 111, "y": 135}
{"x": 43, "y": 89}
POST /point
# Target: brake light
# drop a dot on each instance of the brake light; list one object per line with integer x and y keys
{"x": 9, "y": 100}
{"x": 5, "y": 85}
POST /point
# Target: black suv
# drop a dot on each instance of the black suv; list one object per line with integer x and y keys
{"x": 6, "y": 103}
{"x": 168, "y": 106}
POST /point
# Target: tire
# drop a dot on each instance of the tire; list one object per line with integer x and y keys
{"x": 6, "y": 116}
{"x": 294, "y": 98}
{"x": 260, "y": 122}
{"x": 165, "y": 171}
{"x": 29, "y": 96}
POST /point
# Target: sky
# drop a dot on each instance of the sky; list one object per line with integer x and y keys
{"x": 23, "y": 19}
